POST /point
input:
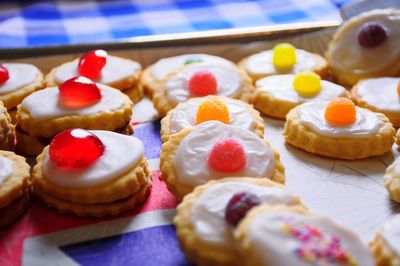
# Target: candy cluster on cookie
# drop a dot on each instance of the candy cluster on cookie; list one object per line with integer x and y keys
{"x": 109, "y": 175}
{"x": 100, "y": 67}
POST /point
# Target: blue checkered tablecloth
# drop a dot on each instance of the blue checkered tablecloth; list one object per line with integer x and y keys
{"x": 42, "y": 23}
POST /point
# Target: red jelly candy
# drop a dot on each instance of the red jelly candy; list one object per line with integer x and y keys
{"x": 239, "y": 205}
{"x": 4, "y": 76}
{"x": 371, "y": 34}
{"x": 227, "y": 156}
{"x": 202, "y": 83}
{"x": 91, "y": 64}
{"x": 75, "y": 148}
{"x": 79, "y": 92}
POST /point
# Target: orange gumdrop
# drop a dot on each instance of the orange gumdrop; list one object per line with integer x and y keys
{"x": 398, "y": 88}
{"x": 212, "y": 109}
{"x": 340, "y": 111}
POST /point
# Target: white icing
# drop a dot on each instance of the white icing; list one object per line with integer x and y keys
{"x": 391, "y": 234}
{"x": 347, "y": 55}
{"x": 275, "y": 247}
{"x": 121, "y": 154}
{"x": 195, "y": 147}
{"x": 261, "y": 63}
{"x": 6, "y": 169}
{"x": 20, "y": 75}
{"x": 44, "y": 104}
{"x": 208, "y": 212}
{"x": 167, "y": 65}
{"x": 281, "y": 87}
{"x": 312, "y": 114}
{"x": 116, "y": 69}
{"x": 184, "y": 115}
{"x": 228, "y": 79}
{"x": 380, "y": 93}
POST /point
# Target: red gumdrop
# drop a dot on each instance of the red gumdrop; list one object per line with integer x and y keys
{"x": 79, "y": 92}
{"x": 75, "y": 148}
{"x": 91, "y": 64}
{"x": 4, "y": 75}
{"x": 227, "y": 156}
{"x": 239, "y": 205}
{"x": 202, "y": 83}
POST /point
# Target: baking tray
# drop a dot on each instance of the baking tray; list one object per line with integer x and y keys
{"x": 351, "y": 192}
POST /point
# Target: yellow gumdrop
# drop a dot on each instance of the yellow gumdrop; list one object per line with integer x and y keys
{"x": 284, "y": 55}
{"x": 212, "y": 109}
{"x": 307, "y": 84}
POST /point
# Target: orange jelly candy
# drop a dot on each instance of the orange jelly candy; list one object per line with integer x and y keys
{"x": 398, "y": 88}
{"x": 212, "y": 110}
{"x": 340, "y": 111}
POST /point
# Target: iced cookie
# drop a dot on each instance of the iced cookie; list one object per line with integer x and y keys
{"x": 78, "y": 102}
{"x": 202, "y": 79}
{"x": 203, "y": 231}
{"x": 7, "y": 130}
{"x": 386, "y": 245}
{"x": 379, "y": 95}
{"x": 366, "y": 46}
{"x": 18, "y": 81}
{"x": 108, "y": 176}
{"x": 392, "y": 180}
{"x": 14, "y": 186}
{"x": 198, "y": 110}
{"x": 214, "y": 150}
{"x": 282, "y": 235}
{"x": 338, "y": 129}
{"x": 154, "y": 75}
{"x": 120, "y": 73}
{"x": 276, "y": 95}
{"x": 283, "y": 59}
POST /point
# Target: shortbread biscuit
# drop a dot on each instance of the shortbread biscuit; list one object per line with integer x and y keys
{"x": 230, "y": 81}
{"x": 7, "y": 130}
{"x": 379, "y": 95}
{"x": 15, "y": 209}
{"x": 385, "y": 245}
{"x": 42, "y": 126}
{"x": 260, "y": 65}
{"x": 14, "y": 186}
{"x": 116, "y": 180}
{"x": 392, "y": 180}
{"x": 120, "y": 73}
{"x": 350, "y": 62}
{"x": 98, "y": 209}
{"x": 289, "y": 235}
{"x": 204, "y": 235}
{"x": 153, "y": 75}
{"x": 306, "y": 128}
{"x": 187, "y": 151}
{"x": 275, "y": 95}
{"x": 184, "y": 115}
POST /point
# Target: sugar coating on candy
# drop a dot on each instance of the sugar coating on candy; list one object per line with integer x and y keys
{"x": 91, "y": 64}
{"x": 316, "y": 247}
{"x": 202, "y": 83}
{"x": 239, "y": 205}
{"x": 227, "y": 156}
{"x": 212, "y": 109}
{"x": 193, "y": 60}
{"x": 4, "y": 75}
{"x": 78, "y": 92}
{"x": 284, "y": 55}
{"x": 341, "y": 112}
{"x": 371, "y": 34}
{"x": 74, "y": 149}
{"x": 307, "y": 84}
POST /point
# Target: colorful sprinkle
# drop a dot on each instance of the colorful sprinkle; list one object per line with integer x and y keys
{"x": 284, "y": 56}
{"x": 316, "y": 247}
